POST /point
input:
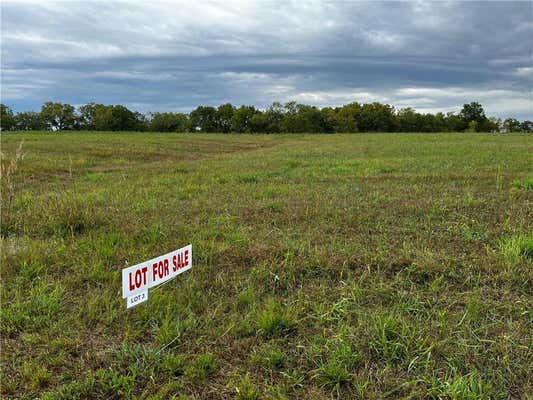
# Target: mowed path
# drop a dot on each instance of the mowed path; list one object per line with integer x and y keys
{"x": 364, "y": 265}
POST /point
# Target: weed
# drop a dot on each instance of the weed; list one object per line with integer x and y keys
{"x": 467, "y": 387}
{"x": 341, "y": 359}
{"x": 333, "y": 375}
{"x": 248, "y": 178}
{"x": 516, "y": 248}
{"x": 8, "y": 170}
{"x": 201, "y": 368}
{"x": 33, "y": 310}
{"x": 469, "y": 200}
{"x": 275, "y": 207}
{"x": 525, "y": 184}
{"x": 168, "y": 331}
{"x": 111, "y": 382}
{"x": 244, "y": 328}
{"x": 246, "y": 390}
{"x": 390, "y": 338}
{"x": 386, "y": 170}
{"x": 173, "y": 364}
{"x": 274, "y": 319}
{"x": 246, "y": 298}
{"x": 271, "y": 357}
{"x": 35, "y": 374}
{"x": 472, "y": 234}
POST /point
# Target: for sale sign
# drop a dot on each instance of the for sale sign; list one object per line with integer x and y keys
{"x": 136, "y": 280}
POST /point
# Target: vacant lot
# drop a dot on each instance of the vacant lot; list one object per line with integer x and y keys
{"x": 351, "y": 266}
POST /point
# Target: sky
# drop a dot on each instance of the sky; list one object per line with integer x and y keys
{"x": 174, "y": 56}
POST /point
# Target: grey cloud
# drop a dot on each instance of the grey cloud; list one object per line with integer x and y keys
{"x": 174, "y": 56}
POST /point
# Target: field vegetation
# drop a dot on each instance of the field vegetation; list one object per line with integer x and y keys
{"x": 324, "y": 266}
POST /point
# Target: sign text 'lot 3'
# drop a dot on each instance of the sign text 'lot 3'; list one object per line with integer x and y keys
{"x": 139, "y": 278}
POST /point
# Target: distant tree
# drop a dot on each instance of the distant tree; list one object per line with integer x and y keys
{"x": 300, "y": 118}
{"x": 454, "y": 122}
{"x": 440, "y": 123}
{"x": 290, "y": 117}
{"x": 428, "y": 123}
{"x": 511, "y": 125}
{"x": 241, "y": 119}
{"x": 168, "y": 122}
{"x": 494, "y": 124}
{"x": 203, "y": 119}
{"x": 7, "y": 120}
{"x": 86, "y": 115}
{"x": 274, "y": 115}
{"x": 473, "y": 112}
{"x": 29, "y": 121}
{"x": 224, "y": 115}
{"x": 328, "y": 115}
{"x": 408, "y": 120}
{"x": 473, "y": 126}
{"x": 526, "y": 126}
{"x": 261, "y": 122}
{"x": 345, "y": 118}
{"x": 377, "y": 117}
{"x": 142, "y": 123}
{"x": 58, "y": 116}
{"x": 115, "y": 118}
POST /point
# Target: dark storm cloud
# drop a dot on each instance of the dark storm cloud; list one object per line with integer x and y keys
{"x": 174, "y": 56}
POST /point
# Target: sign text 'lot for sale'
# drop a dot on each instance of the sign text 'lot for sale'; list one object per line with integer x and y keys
{"x": 137, "y": 279}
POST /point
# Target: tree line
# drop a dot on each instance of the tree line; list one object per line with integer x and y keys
{"x": 290, "y": 117}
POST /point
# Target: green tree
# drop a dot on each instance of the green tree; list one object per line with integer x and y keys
{"x": 440, "y": 124}
{"x": 473, "y": 126}
{"x": 454, "y": 122}
{"x": 29, "y": 121}
{"x": 7, "y": 119}
{"x": 300, "y": 118}
{"x": 274, "y": 114}
{"x": 511, "y": 125}
{"x": 328, "y": 119}
{"x": 141, "y": 122}
{"x": 86, "y": 115}
{"x": 224, "y": 115}
{"x": 58, "y": 116}
{"x": 203, "y": 119}
{"x": 494, "y": 124}
{"x": 241, "y": 118}
{"x": 526, "y": 126}
{"x": 261, "y": 123}
{"x": 115, "y": 118}
{"x": 345, "y": 118}
{"x": 377, "y": 117}
{"x": 168, "y": 122}
{"x": 473, "y": 112}
{"x": 408, "y": 120}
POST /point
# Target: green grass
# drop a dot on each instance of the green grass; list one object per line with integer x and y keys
{"x": 517, "y": 248}
{"x": 523, "y": 184}
{"x": 347, "y": 266}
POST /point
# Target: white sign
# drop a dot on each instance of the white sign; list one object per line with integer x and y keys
{"x": 136, "y": 280}
{"x": 139, "y": 298}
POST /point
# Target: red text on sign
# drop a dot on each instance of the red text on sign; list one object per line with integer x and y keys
{"x": 180, "y": 260}
{"x": 160, "y": 269}
{"x": 139, "y": 279}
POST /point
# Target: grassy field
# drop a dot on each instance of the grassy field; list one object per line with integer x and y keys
{"x": 345, "y": 266}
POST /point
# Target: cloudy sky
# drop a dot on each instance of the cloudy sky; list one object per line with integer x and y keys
{"x": 173, "y": 56}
